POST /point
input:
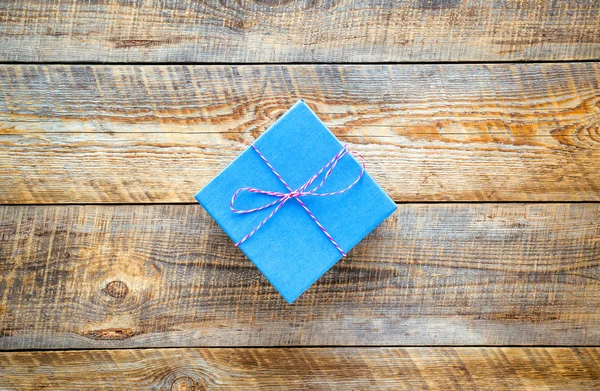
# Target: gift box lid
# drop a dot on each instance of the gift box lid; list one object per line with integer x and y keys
{"x": 290, "y": 250}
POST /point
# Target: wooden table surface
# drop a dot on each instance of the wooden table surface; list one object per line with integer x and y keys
{"x": 480, "y": 118}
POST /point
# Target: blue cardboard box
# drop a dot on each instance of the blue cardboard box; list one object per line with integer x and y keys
{"x": 290, "y": 249}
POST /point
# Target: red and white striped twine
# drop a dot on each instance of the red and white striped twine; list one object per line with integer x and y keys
{"x": 302, "y": 191}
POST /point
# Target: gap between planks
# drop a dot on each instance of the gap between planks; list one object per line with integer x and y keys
{"x": 516, "y": 132}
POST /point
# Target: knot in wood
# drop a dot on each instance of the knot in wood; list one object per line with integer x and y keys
{"x": 186, "y": 383}
{"x": 116, "y": 289}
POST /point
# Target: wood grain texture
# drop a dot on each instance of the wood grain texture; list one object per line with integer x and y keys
{"x": 298, "y": 31}
{"x": 431, "y": 369}
{"x": 167, "y": 275}
{"x": 430, "y": 133}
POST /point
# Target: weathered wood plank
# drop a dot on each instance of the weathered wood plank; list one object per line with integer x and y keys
{"x": 304, "y": 31}
{"x": 433, "y": 133}
{"x": 155, "y": 168}
{"x": 468, "y": 103}
{"x": 442, "y": 369}
{"x": 166, "y": 275}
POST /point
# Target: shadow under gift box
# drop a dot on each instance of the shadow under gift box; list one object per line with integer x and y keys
{"x": 290, "y": 249}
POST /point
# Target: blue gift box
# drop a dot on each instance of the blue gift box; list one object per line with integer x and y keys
{"x": 290, "y": 249}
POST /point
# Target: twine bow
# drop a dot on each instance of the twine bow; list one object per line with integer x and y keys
{"x": 302, "y": 191}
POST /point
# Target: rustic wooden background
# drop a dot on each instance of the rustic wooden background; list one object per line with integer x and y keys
{"x": 481, "y": 118}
